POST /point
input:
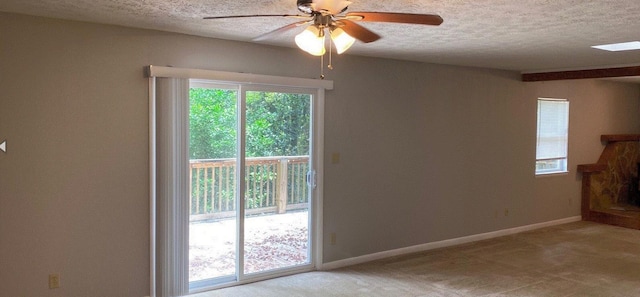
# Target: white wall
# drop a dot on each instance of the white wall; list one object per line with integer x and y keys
{"x": 428, "y": 152}
{"x": 438, "y": 152}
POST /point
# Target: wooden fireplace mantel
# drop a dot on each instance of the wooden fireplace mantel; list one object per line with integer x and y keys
{"x": 619, "y": 137}
{"x": 607, "y": 153}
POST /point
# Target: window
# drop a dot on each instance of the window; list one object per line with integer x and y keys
{"x": 552, "y": 136}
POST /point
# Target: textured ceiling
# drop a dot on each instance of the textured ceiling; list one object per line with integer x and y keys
{"x": 532, "y": 35}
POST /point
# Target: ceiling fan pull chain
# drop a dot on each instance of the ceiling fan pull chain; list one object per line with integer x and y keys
{"x": 330, "y": 66}
{"x": 322, "y": 67}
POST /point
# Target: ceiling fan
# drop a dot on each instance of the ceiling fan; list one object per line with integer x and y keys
{"x": 327, "y": 15}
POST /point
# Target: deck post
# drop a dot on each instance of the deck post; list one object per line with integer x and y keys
{"x": 281, "y": 182}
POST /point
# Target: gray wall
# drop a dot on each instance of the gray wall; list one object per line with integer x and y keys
{"x": 428, "y": 152}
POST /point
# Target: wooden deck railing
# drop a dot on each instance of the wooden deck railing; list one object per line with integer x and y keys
{"x": 272, "y": 184}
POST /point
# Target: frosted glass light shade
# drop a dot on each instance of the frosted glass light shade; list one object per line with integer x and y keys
{"x": 342, "y": 40}
{"x": 311, "y": 40}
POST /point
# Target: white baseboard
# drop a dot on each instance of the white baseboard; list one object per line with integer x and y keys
{"x": 442, "y": 244}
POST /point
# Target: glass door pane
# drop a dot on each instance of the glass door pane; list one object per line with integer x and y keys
{"x": 275, "y": 210}
{"x": 212, "y": 151}
{"x": 276, "y": 192}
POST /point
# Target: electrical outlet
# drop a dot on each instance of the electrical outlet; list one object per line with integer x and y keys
{"x": 54, "y": 281}
{"x": 333, "y": 238}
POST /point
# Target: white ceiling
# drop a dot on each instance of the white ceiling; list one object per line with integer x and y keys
{"x": 531, "y": 35}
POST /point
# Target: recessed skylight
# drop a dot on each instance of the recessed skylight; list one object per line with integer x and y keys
{"x": 616, "y": 47}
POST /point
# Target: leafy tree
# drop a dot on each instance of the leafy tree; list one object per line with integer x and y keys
{"x": 277, "y": 124}
{"x": 212, "y": 121}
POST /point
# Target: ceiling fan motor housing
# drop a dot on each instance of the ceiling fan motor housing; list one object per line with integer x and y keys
{"x": 305, "y": 6}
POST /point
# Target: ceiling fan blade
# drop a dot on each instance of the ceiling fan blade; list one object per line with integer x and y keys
{"x": 280, "y": 30}
{"x": 358, "y": 32}
{"x": 394, "y": 17}
{"x": 255, "y": 16}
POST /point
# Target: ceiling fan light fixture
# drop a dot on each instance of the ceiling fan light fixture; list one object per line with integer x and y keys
{"x": 311, "y": 40}
{"x": 342, "y": 40}
{"x": 324, "y": 15}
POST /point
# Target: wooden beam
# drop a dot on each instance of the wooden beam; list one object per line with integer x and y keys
{"x": 582, "y": 74}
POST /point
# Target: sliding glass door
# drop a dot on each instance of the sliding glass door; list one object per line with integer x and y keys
{"x": 213, "y": 138}
{"x": 277, "y": 150}
{"x": 251, "y": 182}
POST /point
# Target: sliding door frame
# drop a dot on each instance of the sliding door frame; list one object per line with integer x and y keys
{"x": 246, "y": 82}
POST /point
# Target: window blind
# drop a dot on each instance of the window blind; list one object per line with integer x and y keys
{"x": 172, "y": 110}
{"x": 553, "y": 129}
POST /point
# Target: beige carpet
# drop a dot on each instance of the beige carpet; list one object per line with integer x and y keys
{"x": 577, "y": 259}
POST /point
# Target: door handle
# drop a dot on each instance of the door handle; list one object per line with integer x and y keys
{"x": 311, "y": 178}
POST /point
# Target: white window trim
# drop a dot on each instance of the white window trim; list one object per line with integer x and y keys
{"x": 153, "y": 72}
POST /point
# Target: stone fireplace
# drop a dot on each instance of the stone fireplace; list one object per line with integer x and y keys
{"x": 610, "y": 190}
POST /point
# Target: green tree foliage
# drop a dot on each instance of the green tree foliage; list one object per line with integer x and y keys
{"x": 277, "y": 124}
{"x": 212, "y": 123}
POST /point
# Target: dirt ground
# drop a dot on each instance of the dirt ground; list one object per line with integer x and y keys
{"x": 271, "y": 241}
